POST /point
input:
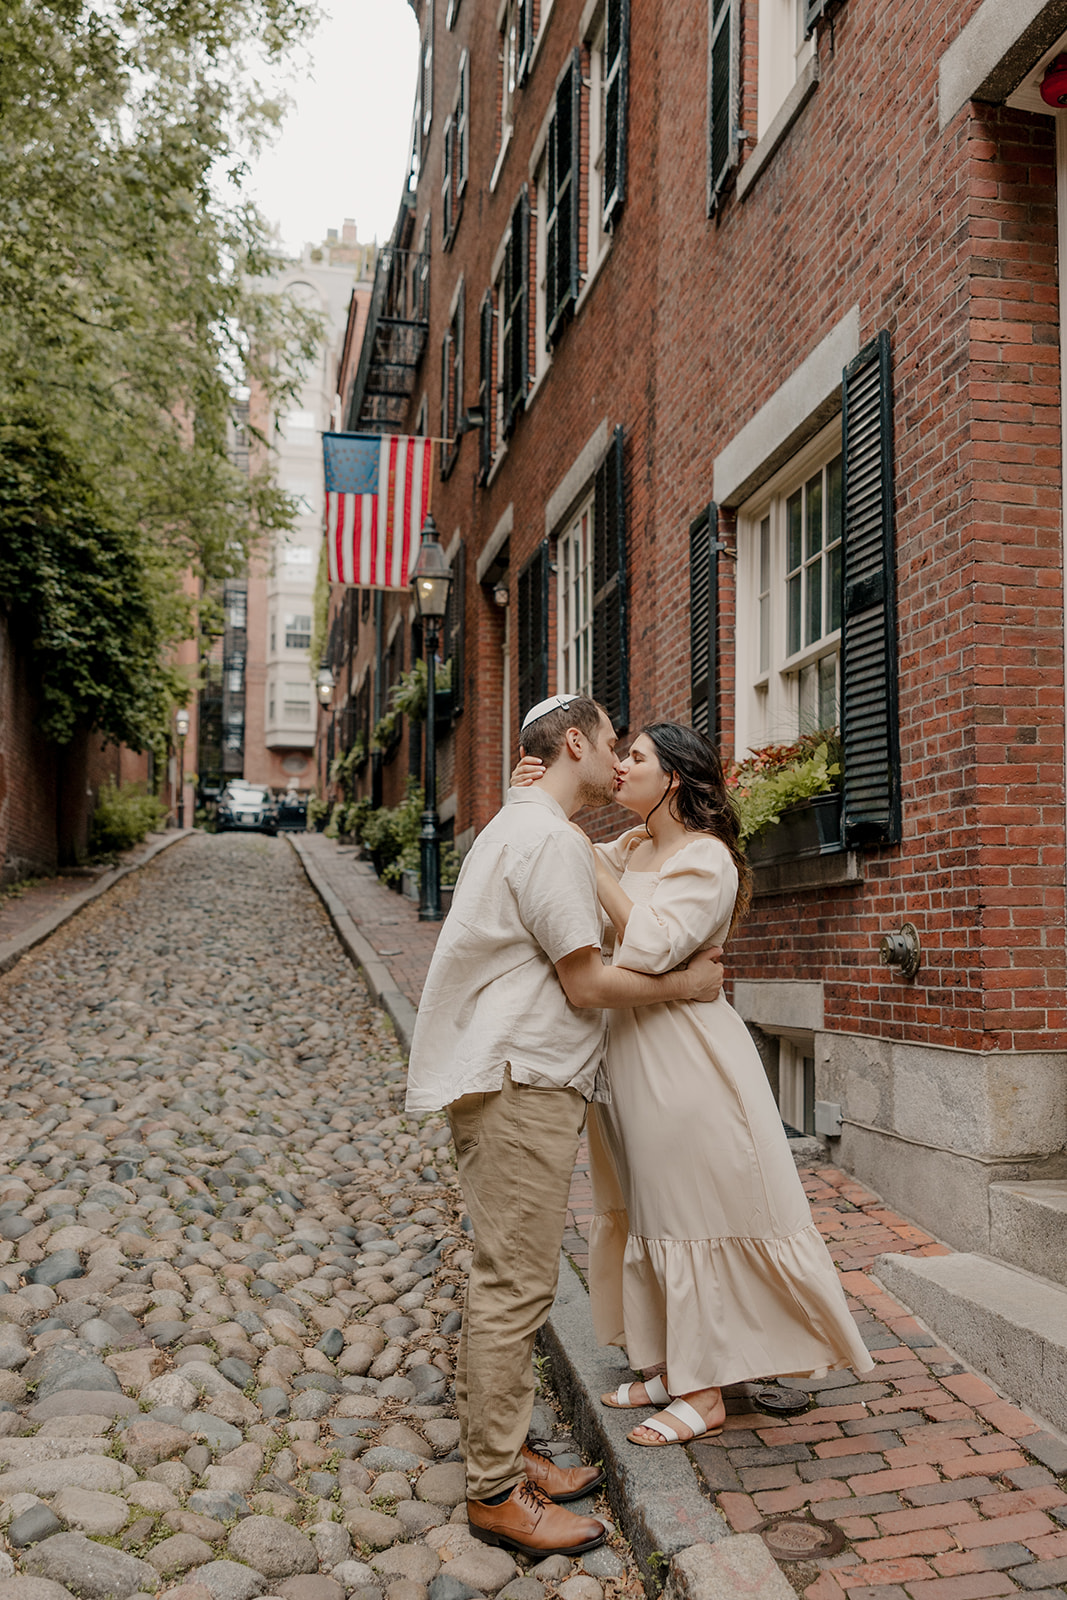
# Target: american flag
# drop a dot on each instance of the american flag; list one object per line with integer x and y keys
{"x": 377, "y": 497}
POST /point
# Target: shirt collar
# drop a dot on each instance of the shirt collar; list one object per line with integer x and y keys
{"x": 531, "y": 795}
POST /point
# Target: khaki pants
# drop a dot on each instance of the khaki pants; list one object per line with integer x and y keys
{"x": 516, "y": 1150}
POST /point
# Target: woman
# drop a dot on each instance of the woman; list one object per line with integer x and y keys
{"x": 703, "y": 1258}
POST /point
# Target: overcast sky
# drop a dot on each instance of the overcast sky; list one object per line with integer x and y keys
{"x": 343, "y": 147}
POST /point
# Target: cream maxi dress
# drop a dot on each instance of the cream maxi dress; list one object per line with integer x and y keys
{"x": 702, "y": 1252}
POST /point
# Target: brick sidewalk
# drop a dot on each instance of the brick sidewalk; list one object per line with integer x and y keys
{"x": 943, "y": 1490}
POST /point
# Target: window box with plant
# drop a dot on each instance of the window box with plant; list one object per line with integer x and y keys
{"x": 788, "y": 799}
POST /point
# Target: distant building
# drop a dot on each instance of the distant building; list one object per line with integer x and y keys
{"x": 279, "y": 690}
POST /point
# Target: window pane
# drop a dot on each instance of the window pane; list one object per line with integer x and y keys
{"x": 814, "y": 517}
{"x": 808, "y": 683}
{"x": 833, "y": 587}
{"x": 793, "y": 544}
{"x": 828, "y": 691}
{"x": 765, "y": 555}
{"x": 793, "y": 615}
{"x": 813, "y": 574}
{"x": 833, "y": 501}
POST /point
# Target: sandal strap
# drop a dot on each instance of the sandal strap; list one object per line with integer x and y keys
{"x": 662, "y": 1429}
{"x": 622, "y": 1394}
{"x": 684, "y": 1412}
{"x": 657, "y": 1390}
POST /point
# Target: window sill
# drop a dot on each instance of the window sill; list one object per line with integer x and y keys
{"x": 592, "y": 277}
{"x": 546, "y": 17}
{"x": 498, "y": 461}
{"x": 790, "y": 110}
{"x": 505, "y": 146}
{"x": 835, "y": 870}
{"x": 538, "y": 381}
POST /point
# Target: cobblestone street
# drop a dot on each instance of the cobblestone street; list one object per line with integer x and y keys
{"x": 230, "y": 1272}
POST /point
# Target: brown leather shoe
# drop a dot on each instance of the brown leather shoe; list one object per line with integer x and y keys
{"x": 559, "y": 1483}
{"x": 528, "y": 1521}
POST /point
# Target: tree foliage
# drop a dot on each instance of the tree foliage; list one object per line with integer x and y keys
{"x": 132, "y": 308}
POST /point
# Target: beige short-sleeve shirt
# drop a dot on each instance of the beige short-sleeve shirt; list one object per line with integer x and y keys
{"x": 525, "y": 898}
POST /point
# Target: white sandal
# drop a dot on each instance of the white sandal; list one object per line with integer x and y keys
{"x": 681, "y": 1411}
{"x": 655, "y": 1388}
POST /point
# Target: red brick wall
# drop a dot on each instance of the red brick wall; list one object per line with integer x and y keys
{"x": 947, "y": 241}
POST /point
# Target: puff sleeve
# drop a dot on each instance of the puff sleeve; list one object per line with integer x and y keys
{"x": 692, "y": 901}
{"x": 616, "y": 854}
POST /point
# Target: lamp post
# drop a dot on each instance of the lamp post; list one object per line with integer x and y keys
{"x": 324, "y": 687}
{"x": 431, "y": 581}
{"x": 181, "y": 725}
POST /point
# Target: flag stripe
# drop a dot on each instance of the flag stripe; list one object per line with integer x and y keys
{"x": 372, "y": 538}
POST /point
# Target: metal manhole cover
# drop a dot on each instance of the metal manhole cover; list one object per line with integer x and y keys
{"x": 780, "y": 1401}
{"x": 800, "y": 1539}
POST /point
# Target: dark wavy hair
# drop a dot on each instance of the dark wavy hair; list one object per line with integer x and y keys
{"x": 701, "y": 801}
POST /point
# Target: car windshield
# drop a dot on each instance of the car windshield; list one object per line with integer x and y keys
{"x": 245, "y": 795}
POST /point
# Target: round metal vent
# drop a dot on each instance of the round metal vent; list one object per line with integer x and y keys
{"x": 800, "y": 1538}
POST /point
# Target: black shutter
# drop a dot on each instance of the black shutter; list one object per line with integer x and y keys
{"x": 563, "y": 158}
{"x": 869, "y": 728}
{"x": 524, "y": 28}
{"x": 446, "y": 394}
{"x": 704, "y": 547}
{"x": 463, "y": 123}
{"x": 516, "y": 289}
{"x": 458, "y": 375}
{"x": 616, "y": 97}
{"x": 533, "y": 630}
{"x": 611, "y": 656}
{"x": 448, "y": 184}
{"x": 457, "y": 602}
{"x": 723, "y": 53}
{"x": 486, "y": 394}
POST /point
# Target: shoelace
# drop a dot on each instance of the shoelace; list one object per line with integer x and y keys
{"x": 539, "y": 1455}
{"x": 532, "y": 1496}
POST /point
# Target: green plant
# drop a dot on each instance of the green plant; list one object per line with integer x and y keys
{"x": 408, "y": 694}
{"x": 333, "y": 827}
{"x": 122, "y": 817}
{"x": 392, "y": 833}
{"x": 317, "y": 809}
{"x": 778, "y": 777}
{"x": 343, "y": 767}
{"x": 385, "y": 731}
{"x": 356, "y": 816}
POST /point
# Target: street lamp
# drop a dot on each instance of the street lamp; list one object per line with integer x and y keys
{"x": 324, "y": 685}
{"x": 431, "y": 581}
{"x": 181, "y": 725}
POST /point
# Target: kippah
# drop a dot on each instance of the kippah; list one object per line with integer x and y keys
{"x": 557, "y": 702}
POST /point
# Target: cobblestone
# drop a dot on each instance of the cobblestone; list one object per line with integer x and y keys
{"x": 231, "y": 1271}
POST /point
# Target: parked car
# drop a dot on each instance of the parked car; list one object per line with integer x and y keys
{"x": 291, "y": 811}
{"x": 246, "y": 806}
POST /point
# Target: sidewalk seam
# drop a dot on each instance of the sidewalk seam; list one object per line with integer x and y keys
{"x": 380, "y": 982}
{"x": 12, "y": 950}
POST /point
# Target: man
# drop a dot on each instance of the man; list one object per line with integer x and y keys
{"x": 509, "y": 1038}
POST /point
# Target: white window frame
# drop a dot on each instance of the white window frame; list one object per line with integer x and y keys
{"x": 768, "y": 699}
{"x": 574, "y": 602}
{"x": 542, "y": 356}
{"x": 426, "y": 73}
{"x": 783, "y": 54}
{"x": 796, "y": 1062}
{"x": 509, "y": 56}
{"x": 596, "y": 236}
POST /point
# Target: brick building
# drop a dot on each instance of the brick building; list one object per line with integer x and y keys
{"x": 741, "y": 319}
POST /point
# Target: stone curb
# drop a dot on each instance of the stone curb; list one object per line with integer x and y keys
{"x": 12, "y": 950}
{"x": 375, "y": 972}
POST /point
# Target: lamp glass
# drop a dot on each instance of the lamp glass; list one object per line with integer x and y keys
{"x": 181, "y": 723}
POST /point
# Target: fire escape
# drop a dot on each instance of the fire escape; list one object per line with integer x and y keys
{"x": 393, "y": 343}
